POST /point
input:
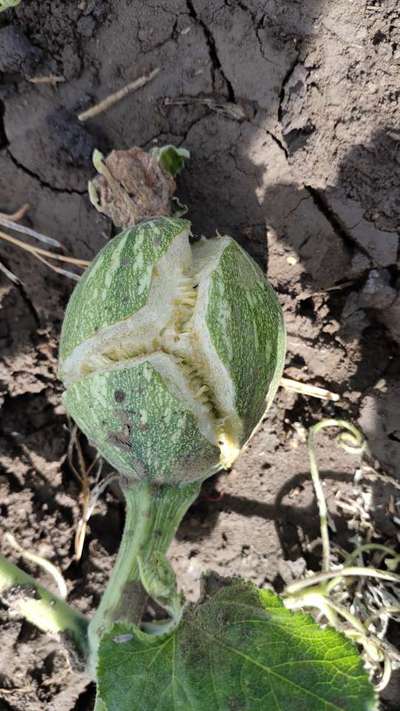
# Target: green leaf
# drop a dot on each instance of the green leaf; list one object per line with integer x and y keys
{"x": 238, "y": 649}
{"x": 171, "y": 159}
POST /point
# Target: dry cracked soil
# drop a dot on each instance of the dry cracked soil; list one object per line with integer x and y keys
{"x": 290, "y": 109}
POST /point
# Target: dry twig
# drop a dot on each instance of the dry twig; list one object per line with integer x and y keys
{"x": 17, "y": 215}
{"x": 307, "y": 389}
{"x": 88, "y": 496}
{"x": 51, "y": 79}
{"x": 112, "y": 99}
{"x": 227, "y": 108}
{"x": 38, "y": 250}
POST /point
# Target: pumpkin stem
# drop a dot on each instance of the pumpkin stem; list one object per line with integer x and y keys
{"x": 153, "y": 514}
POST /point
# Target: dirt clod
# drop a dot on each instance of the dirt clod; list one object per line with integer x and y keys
{"x": 17, "y": 54}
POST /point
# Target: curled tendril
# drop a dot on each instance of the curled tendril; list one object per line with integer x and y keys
{"x": 350, "y": 438}
{"x": 352, "y": 441}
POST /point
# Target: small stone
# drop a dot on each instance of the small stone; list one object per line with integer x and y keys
{"x": 292, "y": 260}
{"x": 377, "y": 292}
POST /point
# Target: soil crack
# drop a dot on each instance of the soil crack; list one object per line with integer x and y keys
{"x": 3, "y": 136}
{"x": 173, "y": 37}
{"x": 29, "y": 303}
{"x": 37, "y": 178}
{"x": 277, "y": 141}
{"x": 24, "y": 295}
{"x": 192, "y": 125}
{"x": 285, "y": 81}
{"x": 213, "y": 52}
{"x": 258, "y": 23}
{"x": 321, "y": 203}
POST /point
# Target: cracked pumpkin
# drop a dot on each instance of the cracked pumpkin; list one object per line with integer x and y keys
{"x": 171, "y": 352}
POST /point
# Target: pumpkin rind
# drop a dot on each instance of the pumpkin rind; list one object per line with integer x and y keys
{"x": 245, "y": 323}
{"x": 139, "y": 427}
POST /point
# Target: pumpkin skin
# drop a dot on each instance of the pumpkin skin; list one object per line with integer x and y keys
{"x": 170, "y": 352}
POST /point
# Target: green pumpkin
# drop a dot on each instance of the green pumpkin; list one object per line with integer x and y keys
{"x": 170, "y": 352}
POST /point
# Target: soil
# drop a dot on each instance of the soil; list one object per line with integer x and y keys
{"x": 290, "y": 110}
